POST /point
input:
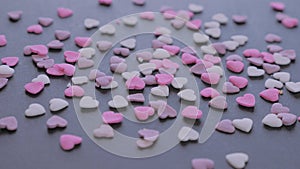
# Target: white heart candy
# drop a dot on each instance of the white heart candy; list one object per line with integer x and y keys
{"x": 141, "y": 143}
{"x": 171, "y": 70}
{"x": 104, "y": 131}
{"x": 161, "y": 54}
{"x": 215, "y": 69}
{"x": 144, "y": 56}
{"x": 281, "y": 60}
{"x": 6, "y": 71}
{"x": 213, "y": 32}
{"x": 166, "y": 38}
{"x": 271, "y": 83}
{"x": 79, "y": 80}
{"x": 118, "y": 102}
{"x": 187, "y": 133}
{"x": 147, "y": 68}
{"x": 272, "y": 120}
{"x": 161, "y": 90}
{"x": 195, "y": 8}
{"x": 208, "y": 49}
{"x": 34, "y": 110}
{"x": 231, "y": 45}
{"x": 244, "y": 124}
{"x": 187, "y": 94}
{"x": 108, "y": 29}
{"x": 87, "y": 102}
{"x": 129, "y": 43}
{"x": 84, "y": 63}
{"x": 130, "y": 20}
{"x": 112, "y": 85}
{"x": 87, "y": 52}
{"x": 57, "y": 104}
{"x": 220, "y": 17}
{"x": 162, "y": 31}
{"x": 42, "y": 78}
{"x": 128, "y": 75}
{"x": 293, "y": 87}
{"x": 253, "y": 71}
{"x": 179, "y": 82}
{"x": 237, "y": 160}
{"x": 241, "y": 39}
{"x": 211, "y": 24}
{"x": 282, "y": 76}
{"x": 200, "y": 38}
{"x": 90, "y": 23}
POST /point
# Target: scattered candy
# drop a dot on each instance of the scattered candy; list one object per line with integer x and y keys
{"x": 68, "y": 141}
{"x": 191, "y": 112}
{"x": 90, "y": 23}
{"x": 225, "y": 126}
{"x": 143, "y": 112}
{"x": 34, "y": 110}
{"x": 9, "y": 123}
{"x": 118, "y": 102}
{"x": 241, "y": 39}
{"x": 144, "y": 143}
{"x": 149, "y": 134}
{"x": 237, "y": 160}
{"x": 239, "y": 19}
{"x": 45, "y": 21}
{"x": 64, "y": 12}
{"x": 56, "y": 121}
{"x": 138, "y": 97}
{"x": 278, "y": 6}
{"x": 55, "y": 44}
{"x": 272, "y": 38}
{"x": 179, "y": 82}
{"x": 244, "y": 124}
{"x": 253, "y": 71}
{"x": 210, "y": 78}
{"x": 15, "y": 15}
{"x": 229, "y": 88}
{"x": 293, "y": 87}
{"x": 272, "y": 120}
{"x": 10, "y": 61}
{"x": 3, "y": 40}
{"x": 248, "y": 100}
{"x": 220, "y": 17}
{"x": 3, "y": 82}
{"x": 187, "y": 94}
{"x": 271, "y": 95}
{"x": 271, "y": 83}
{"x": 209, "y": 92}
{"x": 129, "y": 43}
{"x": 87, "y": 102}
{"x": 187, "y": 133}
{"x": 42, "y": 78}
{"x": 279, "y": 108}
{"x": 110, "y": 117}
{"x": 104, "y": 131}
{"x": 36, "y": 29}
{"x": 218, "y": 102}
{"x": 235, "y": 66}
{"x": 203, "y": 163}
{"x": 57, "y": 104}
{"x": 288, "y": 119}
{"x": 161, "y": 90}
{"x": 34, "y": 87}
{"x": 83, "y": 41}
{"x": 62, "y": 35}
{"x": 238, "y": 81}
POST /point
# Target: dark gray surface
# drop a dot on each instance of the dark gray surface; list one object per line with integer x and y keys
{"x": 32, "y": 146}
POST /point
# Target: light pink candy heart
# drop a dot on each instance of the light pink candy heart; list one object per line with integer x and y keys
{"x": 220, "y": 48}
{"x": 10, "y": 123}
{"x": 251, "y": 53}
{"x": 3, "y": 82}
{"x": 147, "y": 15}
{"x": 47, "y": 63}
{"x": 137, "y": 97}
{"x": 157, "y": 44}
{"x": 290, "y": 53}
{"x": 288, "y": 119}
{"x": 150, "y": 80}
{"x": 121, "y": 51}
{"x": 72, "y": 91}
{"x": 167, "y": 111}
{"x": 213, "y": 59}
{"x": 234, "y": 57}
{"x": 110, "y": 117}
{"x": 69, "y": 141}
{"x": 3, "y": 40}
{"x": 83, "y": 41}
{"x": 41, "y": 50}
{"x": 203, "y": 163}
{"x": 55, "y": 44}
{"x": 198, "y": 69}
{"x": 209, "y": 92}
{"x": 194, "y": 24}
{"x": 143, "y": 112}
{"x": 68, "y": 69}
{"x": 191, "y": 112}
{"x": 278, "y": 6}
{"x": 274, "y": 48}
{"x": 279, "y": 108}
{"x": 187, "y": 58}
{"x": 238, "y": 81}
{"x": 225, "y": 126}
{"x": 55, "y": 71}
{"x": 210, "y": 78}
{"x": 189, "y": 50}
{"x": 290, "y": 22}
{"x": 135, "y": 83}
{"x": 271, "y": 68}
{"x": 10, "y": 61}
{"x": 104, "y": 80}
{"x": 248, "y": 100}
{"x": 268, "y": 57}
{"x": 239, "y": 19}
{"x": 71, "y": 56}
{"x": 169, "y": 14}
{"x": 36, "y": 29}
{"x": 105, "y": 2}
{"x": 15, "y": 15}
{"x": 229, "y": 88}
{"x": 56, "y": 121}
{"x": 45, "y": 21}
{"x": 34, "y": 87}
{"x": 164, "y": 79}
{"x": 205, "y": 63}
{"x": 62, "y": 34}
{"x": 271, "y": 95}
{"x": 116, "y": 59}
{"x": 158, "y": 63}
{"x": 148, "y": 134}
{"x": 38, "y": 58}
{"x": 271, "y": 38}
{"x": 64, "y": 12}
{"x": 167, "y": 63}
{"x": 172, "y": 49}
{"x": 235, "y": 66}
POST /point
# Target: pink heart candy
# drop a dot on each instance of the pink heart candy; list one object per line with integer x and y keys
{"x": 198, "y": 69}
{"x": 279, "y": 108}
{"x": 248, "y": 100}
{"x": 104, "y": 80}
{"x": 34, "y": 87}
{"x": 187, "y": 58}
{"x": 135, "y": 83}
{"x": 239, "y": 19}
{"x": 105, "y": 2}
{"x": 188, "y": 50}
{"x": 268, "y": 57}
{"x": 251, "y": 53}
{"x": 234, "y": 57}
{"x": 41, "y": 50}
{"x": 72, "y": 91}
{"x": 235, "y": 66}
{"x": 172, "y": 49}
{"x": 143, "y": 112}
{"x": 210, "y": 78}
{"x": 166, "y": 111}
{"x": 83, "y": 41}
{"x": 278, "y": 6}
{"x": 62, "y": 34}
{"x": 3, "y": 82}
{"x": 71, "y": 56}
{"x": 228, "y": 87}
{"x": 169, "y": 14}
{"x": 256, "y": 61}
{"x": 150, "y": 80}
{"x": 3, "y": 40}
{"x": 167, "y": 63}
{"x": 274, "y": 48}
{"x": 205, "y": 63}
{"x": 47, "y": 63}
{"x": 213, "y": 59}
{"x": 148, "y": 134}
{"x": 288, "y": 119}
{"x": 157, "y": 44}
{"x": 138, "y": 97}
{"x": 15, "y": 15}
{"x": 147, "y": 15}
{"x": 10, "y": 123}
{"x": 194, "y": 24}
{"x": 45, "y": 21}
{"x": 64, "y": 12}
{"x": 68, "y": 69}
{"x": 290, "y": 22}
{"x": 116, "y": 59}
{"x": 220, "y": 48}
{"x": 191, "y": 112}
{"x": 121, "y": 51}
{"x": 290, "y": 53}
{"x": 36, "y": 29}
{"x": 225, "y": 126}
{"x": 271, "y": 95}
{"x": 271, "y": 68}
{"x": 68, "y": 141}
{"x": 209, "y": 92}
{"x": 55, "y": 71}
{"x": 56, "y": 121}
{"x": 10, "y": 61}
{"x": 110, "y": 117}
{"x": 164, "y": 79}
{"x": 203, "y": 163}
{"x": 271, "y": 38}
{"x": 238, "y": 81}
{"x": 55, "y": 44}
{"x": 280, "y": 16}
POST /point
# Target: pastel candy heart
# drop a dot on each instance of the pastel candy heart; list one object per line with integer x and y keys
{"x": 274, "y": 48}
{"x": 105, "y": 2}
{"x": 149, "y": 80}
{"x": 41, "y": 50}
{"x": 104, "y": 131}
{"x": 56, "y": 121}
{"x": 141, "y": 143}
{"x": 172, "y": 49}
{"x": 256, "y": 61}
{"x": 144, "y": 56}
{"x": 3, "y": 82}
{"x": 179, "y": 82}
{"x": 129, "y": 75}
{"x": 271, "y": 38}
{"x": 280, "y": 16}
{"x": 116, "y": 59}
{"x": 167, "y": 39}
{"x": 201, "y": 38}
{"x": 244, "y": 124}
{"x": 42, "y": 78}
{"x": 209, "y": 92}
{"x": 3, "y": 40}
{"x": 147, "y": 68}
{"x": 215, "y": 69}
{"x": 281, "y": 60}
{"x": 238, "y": 81}
{"x": 213, "y": 32}
{"x": 225, "y": 126}
{"x": 237, "y": 160}
{"x": 203, "y": 163}
{"x": 268, "y": 57}
{"x": 271, "y": 83}
{"x": 135, "y": 83}
{"x": 239, "y": 19}
{"x": 45, "y": 21}
{"x": 143, "y": 112}
{"x": 157, "y": 44}
{"x": 87, "y": 52}
{"x": 191, "y": 112}
{"x": 293, "y": 87}
{"x": 272, "y": 120}
{"x": 167, "y": 63}
{"x": 210, "y": 78}
{"x": 68, "y": 141}
{"x": 79, "y": 80}
{"x": 271, "y": 68}
{"x": 241, "y": 39}
{"x": 71, "y": 56}
{"x": 104, "y": 80}
{"x": 130, "y": 20}
{"x": 220, "y": 17}
{"x": 187, "y": 133}
{"x": 84, "y": 63}
{"x": 251, "y": 53}
{"x": 166, "y": 111}
{"x": 47, "y": 63}
{"x": 187, "y": 58}
{"x": 55, "y": 44}
{"x": 194, "y": 24}
{"x": 235, "y": 66}
{"x": 107, "y": 29}
{"x": 87, "y": 102}
{"x": 64, "y": 12}
{"x": 90, "y": 23}
{"x": 9, "y": 123}
{"x": 177, "y": 23}
{"x": 248, "y": 100}
{"x": 169, "y": 14}
{"x": 36, "y": 29}
{"x": 83, "y": 41}
{"x": 234, "y": 57}
{"x": 6, "y": 71}
{"x": 95, "y": 73}
{"x": 129, "y": 43}
{"x": 118, "y": 102}
{"x": 104, "y": 45}
{"x": 253, "y": 71}
{"x": 110, "y": 117}
{"x": 289, "y": 22}
{"x": 57, "y": 104}
{"x": 10, "y": 61}
{"x": 231, "y": 45}
{"x": 271, "y": 95}
{"x": 161, "y": 54}
{"x": 147, "y": 15}
{"x": 111, "y": 85}
{"x": 34, "y": 110}
{"x": 34, "y": 87}
{"x": 220, "y": 48}
{"x": 164, "y": 79}
{"x": 279, "y": 108}
{"x": 289, "y": 53}
{"x": 218, "y": 102}
{"x": 138, "y": 97}
{"x": 161, "y": 90}
{"x": 121, "y": 51}
{"x": 62, "y": 35}
{"x": 67, "y": 69}
{"x": 195, "y": 8}
{"x": 15, "y": 15}
{"x": 187, "y": 94}
{"x": 288, "y": 119}
{"x": 212, "y": 59}
{"x": 149, "y": 134}
{"x": 229, "y": 88}
{"x": 278, "y": 6}
{"x": 171, "y": 71}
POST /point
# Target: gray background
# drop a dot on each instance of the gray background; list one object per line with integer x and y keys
{"x": 33, "y": 146}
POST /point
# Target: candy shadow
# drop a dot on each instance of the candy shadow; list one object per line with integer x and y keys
{"x": 247, "y": 109}
{"x": 54, "y": 130}
{"x": 257, "y": 78}
{"x": 5, "y": 131}
{"x": 185, "y": 143}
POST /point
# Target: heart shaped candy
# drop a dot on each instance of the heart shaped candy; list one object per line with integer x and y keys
{"x": 237, "y": 160}
{"x": 34, "y": 110}
{"x": 110, "y": 117}
{"x": 64, "y": 12}
{"x": 210, "y": 78}
{"x": 218, "y": 102}
{"x": 187, "y": 133}
{"x": 225, "y": 126}
{"x": 62, "y": 35}
{"x": 191, "y": 112}
{"x": 187, "y": 94}
{"x": 34, "y": 87}
{"x": 10, "y": 61}
{"x": 87, "y": 102}
{"x": 161, "y": 90}
{"x": 293, "y": 87}
{"x": 45, "y": 21}
{"x": 15, "y": 15}
{"x": 235, "y": 66}
{"x": 143, "y": 112}
{"x": 244, "y": 124}
{"x": 279, "y": 108}
{"x": 135, "y": 83}
{"x": 36, "y": 29}
{"x": 229, "y": 88}
{"x": 138, "y": 97}
{"x": 253, "y": 71}
{"x": 149, "y": 134}
{"x": 104, "y": 131}
{"x": 248, "y": 100}
{"x": 129, "y": 43}
{"x": 3, "y": 82}
{"x": 271, "y": 83}
{"x": 209, "y": 92}
{"x": 9, "y": 123}
{"x": 203, "y": 163}
{"x": 118, "y": 102}
{"x": 68, "y": 141}
{"x": 271, "y": 95}
{"x": 241, "y": 39}
{"x": 288, "y": 119}
{"x": 90, "y": 23}
{"x": 3, "y": 40}
{"x": 272, "y": 120}
{"x": 57, "y": 104}
{"x": 238, "y": 81}
{"x": 56, "y": 121}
